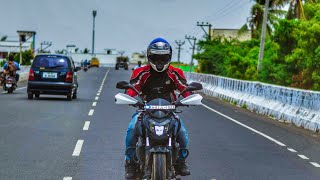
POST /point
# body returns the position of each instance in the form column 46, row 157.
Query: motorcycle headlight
column 159, row 129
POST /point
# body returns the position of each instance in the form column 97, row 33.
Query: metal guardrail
column 300, row 107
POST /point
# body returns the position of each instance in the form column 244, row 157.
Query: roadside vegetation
column 292, row 50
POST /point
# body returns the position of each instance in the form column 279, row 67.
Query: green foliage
column 86, row 51
column 292, row 54
column 27, row 56
column 2, row 63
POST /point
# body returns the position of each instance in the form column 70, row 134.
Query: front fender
column 159, row 149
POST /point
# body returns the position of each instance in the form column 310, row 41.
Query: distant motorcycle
column 10, row 83
column 158, row 125
column 85, row 68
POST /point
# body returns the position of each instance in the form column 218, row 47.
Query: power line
column 228, row 6
column 232, row 10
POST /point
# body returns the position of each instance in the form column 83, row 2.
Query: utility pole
column 263, row 35
column 24, row 36
column 45, row 43
column 202, row 24
column 94, row 14
column 193, row 44
column 179, row 43
column 121, row 52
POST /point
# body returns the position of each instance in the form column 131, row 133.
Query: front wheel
column 10, row 90
column 30, row 95
column 69, row 97
column 159, row 167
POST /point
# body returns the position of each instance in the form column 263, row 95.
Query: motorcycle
column 158, row 125
column 85, row 68
column 9, row 84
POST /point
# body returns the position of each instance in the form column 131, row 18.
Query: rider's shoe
column 182, row 168
column 131, row 170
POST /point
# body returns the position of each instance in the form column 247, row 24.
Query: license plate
column 49, row 75
column 8, row 85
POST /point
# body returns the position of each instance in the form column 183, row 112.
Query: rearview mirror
column 194, row 86
column 124, row 85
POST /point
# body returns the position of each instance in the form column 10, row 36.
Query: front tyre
column 159, row 166
column 69, row 97
column 30, row 95
column 10, row 90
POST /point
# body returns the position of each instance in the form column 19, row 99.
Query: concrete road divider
column 300, row 107
column 24, row 73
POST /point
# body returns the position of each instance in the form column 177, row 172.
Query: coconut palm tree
column 254, row 22
column 295, row 10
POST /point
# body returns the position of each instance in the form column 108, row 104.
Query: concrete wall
column 300, row 107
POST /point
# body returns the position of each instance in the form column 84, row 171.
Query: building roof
column 14, row 44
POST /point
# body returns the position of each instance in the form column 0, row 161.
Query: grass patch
column 244, row 106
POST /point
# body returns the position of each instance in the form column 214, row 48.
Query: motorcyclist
column 160, row 77
column 11, row 67
column 139, row 65
column 86, row 63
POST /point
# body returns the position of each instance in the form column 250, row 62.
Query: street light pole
column 94, row 13
column 263, row 35
column 20, row 53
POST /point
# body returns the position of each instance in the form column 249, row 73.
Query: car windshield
column 50, row 62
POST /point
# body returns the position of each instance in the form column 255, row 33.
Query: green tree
column 27, row 56
column 86, row 51
column 256, row 17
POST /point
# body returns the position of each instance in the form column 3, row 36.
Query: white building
column 7, row 47
column 137, row 57
column 231, row 33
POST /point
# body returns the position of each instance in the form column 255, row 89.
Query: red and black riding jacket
column 154, row 85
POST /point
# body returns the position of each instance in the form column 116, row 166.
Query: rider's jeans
column 132, row 138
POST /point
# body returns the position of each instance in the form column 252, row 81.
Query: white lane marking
column 99, row 91
column 302, row 156
column 16, row 90
column 243, row 125
column 67, row 178
column 77, row 149
column 91, row 112
column 94, row 104
column 86, row 126
column 96, row 98
column 98, row 94
column 292, row 150
column 315, row 164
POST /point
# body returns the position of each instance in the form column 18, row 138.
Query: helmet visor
column 157, row 59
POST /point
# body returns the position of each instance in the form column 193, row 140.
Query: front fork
column 148, row 162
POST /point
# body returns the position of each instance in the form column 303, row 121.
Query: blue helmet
column 159, row 54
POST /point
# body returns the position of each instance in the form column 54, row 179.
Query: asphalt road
column 52, row 138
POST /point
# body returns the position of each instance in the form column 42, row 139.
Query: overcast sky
column 120, row 24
